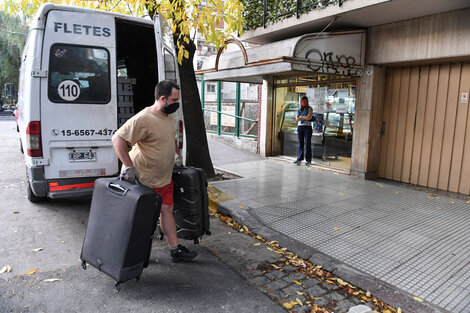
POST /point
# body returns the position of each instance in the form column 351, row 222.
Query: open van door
column 167, row 66
column 77, row 104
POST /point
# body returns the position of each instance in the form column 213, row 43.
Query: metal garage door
column 426, row 126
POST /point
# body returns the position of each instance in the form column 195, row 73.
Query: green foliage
column 278, row 10
column 12, row 40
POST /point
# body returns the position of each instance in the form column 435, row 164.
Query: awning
column 340, row 53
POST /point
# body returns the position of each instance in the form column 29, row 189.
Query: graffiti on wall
column 330, row 63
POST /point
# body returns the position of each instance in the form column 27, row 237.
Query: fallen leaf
column 15, row 212
column 241, row 207
column 418, row 299
column 399, row 310
column 270, row 249
column 368, row 294
column 438, row 208
column 300, row 293
column 341, row 282
column 297, row 282
column 32, row 271
column 287, row 305
column 468, row 201
column 299, row 301
column 257, row 244
column 315, row 298
column 14, row 230
column 5, row 269
column 341, row 194
column 336, row 228
column 246, row 229
column 52, row 279
column 229, row 233
column 37, row 250
column 396, row 192
column 452, row 202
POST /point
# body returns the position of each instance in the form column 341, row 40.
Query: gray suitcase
column 123, row 218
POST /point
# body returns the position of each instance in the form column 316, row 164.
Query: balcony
column 274, row 20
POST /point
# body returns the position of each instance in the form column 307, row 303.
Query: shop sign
column 340, row 54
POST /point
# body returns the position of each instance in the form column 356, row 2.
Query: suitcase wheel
column 208, row 233
column 84, row 265
column 138, row 278
column 196, row 241
column 117, row 287
column 160, row 236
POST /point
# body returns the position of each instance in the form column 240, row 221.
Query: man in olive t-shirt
column 151, row 133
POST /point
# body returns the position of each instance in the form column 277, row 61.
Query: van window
column 170, row 70
column 79, row 74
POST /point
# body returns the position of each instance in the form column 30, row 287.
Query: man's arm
column 120, row 146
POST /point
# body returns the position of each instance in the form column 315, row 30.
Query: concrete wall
column 431, row 38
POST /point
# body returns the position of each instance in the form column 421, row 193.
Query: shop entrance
column 332, row 99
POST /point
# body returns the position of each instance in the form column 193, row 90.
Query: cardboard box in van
column 83, row 74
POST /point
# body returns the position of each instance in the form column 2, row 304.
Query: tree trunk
column 197, row 148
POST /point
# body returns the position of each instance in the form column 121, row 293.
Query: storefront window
column 332, row 99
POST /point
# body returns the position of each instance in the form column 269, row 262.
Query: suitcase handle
column 117, row 189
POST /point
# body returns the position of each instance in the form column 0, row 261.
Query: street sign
column 9, row 90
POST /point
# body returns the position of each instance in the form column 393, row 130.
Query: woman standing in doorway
column 304, row 131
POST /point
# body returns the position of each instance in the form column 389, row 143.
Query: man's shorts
column 166, row 192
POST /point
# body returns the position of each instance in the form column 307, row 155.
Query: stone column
column 266, row 118
column 368, row 123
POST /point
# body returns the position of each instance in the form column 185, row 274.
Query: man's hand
column 130, row 174
column 179, row 160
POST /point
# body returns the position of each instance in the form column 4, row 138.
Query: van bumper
column 36, row 180
column 59, row 188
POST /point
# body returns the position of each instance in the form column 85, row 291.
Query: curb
column 384, row 291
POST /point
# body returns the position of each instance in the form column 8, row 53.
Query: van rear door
column 167, row 66
column 78, row 103
column 165, row 50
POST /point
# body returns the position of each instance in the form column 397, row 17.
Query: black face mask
column 171, row 107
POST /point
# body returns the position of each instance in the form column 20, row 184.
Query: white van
column 83, row 74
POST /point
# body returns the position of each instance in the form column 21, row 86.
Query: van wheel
column 31, row 196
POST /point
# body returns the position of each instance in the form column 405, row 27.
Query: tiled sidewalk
column 414, row 241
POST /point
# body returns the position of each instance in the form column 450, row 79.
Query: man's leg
column 178, row 252
column 168, row 226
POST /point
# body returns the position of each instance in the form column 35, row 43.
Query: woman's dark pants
column 305, row 143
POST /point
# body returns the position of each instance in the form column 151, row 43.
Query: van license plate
column 82, row 155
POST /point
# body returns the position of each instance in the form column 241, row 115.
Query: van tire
column 31, row 196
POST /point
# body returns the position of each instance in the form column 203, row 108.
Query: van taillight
column 180, row 134
column 33, row 139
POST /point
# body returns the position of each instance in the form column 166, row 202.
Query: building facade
column 389, row 82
